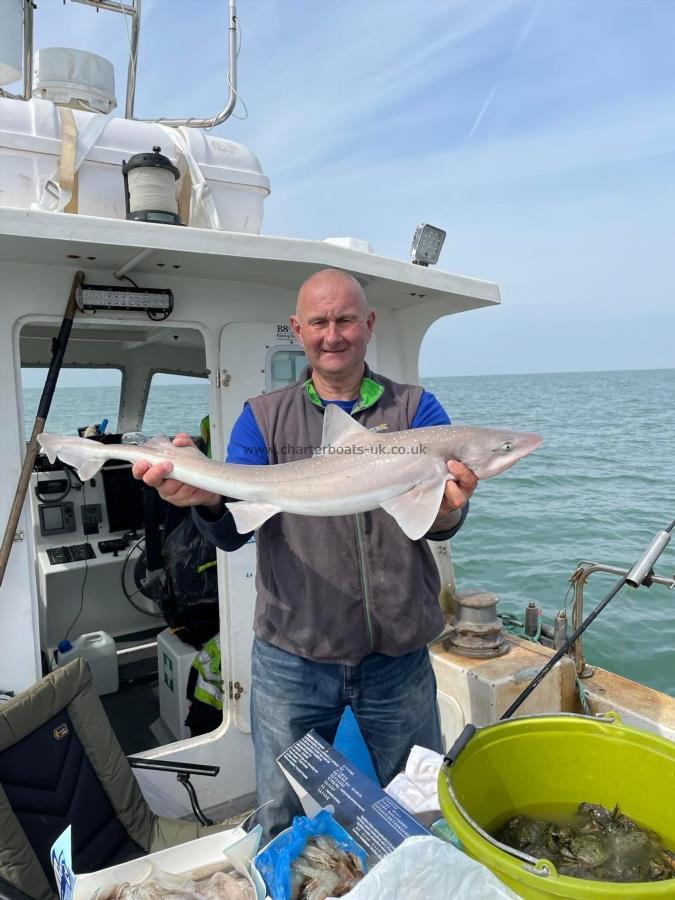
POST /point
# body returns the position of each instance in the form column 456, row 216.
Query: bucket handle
column 610, row 716
column 544, row 868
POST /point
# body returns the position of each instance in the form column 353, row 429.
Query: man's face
column 334, row 326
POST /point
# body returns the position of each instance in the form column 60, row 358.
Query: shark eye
column 507, row 446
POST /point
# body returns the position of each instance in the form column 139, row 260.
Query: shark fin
column 88, row 468
column 250, row 516
column 159, row 442
column 416, row 510
column 339, row 427
column 162, row 444
column 75, row 455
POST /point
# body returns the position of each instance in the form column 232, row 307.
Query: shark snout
column 530, row 442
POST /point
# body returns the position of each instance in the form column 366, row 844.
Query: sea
column 599, row 489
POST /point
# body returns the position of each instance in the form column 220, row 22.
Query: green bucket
column 559, row 761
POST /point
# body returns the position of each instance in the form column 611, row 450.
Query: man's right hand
column 170, row 489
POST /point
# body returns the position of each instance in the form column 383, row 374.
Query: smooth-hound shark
column 355, row 470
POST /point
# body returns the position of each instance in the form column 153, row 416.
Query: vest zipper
column 364, row 579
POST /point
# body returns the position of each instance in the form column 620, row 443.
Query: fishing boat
column 148, row 236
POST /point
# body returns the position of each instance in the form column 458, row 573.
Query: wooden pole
column 58, row 352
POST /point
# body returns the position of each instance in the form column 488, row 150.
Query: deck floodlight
column 426, row 245
column 150, row 188
column 156, row 302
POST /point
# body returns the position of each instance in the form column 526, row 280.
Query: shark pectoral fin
column 339, row 427
column 416, row 510
column 249, row 516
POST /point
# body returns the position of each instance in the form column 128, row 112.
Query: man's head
column 333, row 323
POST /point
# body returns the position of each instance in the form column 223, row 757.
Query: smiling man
column 345, row 605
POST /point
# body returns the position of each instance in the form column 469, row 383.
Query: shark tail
column 77, row 455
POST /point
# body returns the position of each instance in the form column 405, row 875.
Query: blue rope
column 583, row 697
column 515, row 626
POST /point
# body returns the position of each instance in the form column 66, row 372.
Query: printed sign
column 168, row 671
column 285, row 334
column 374, row 819
column 61, row 859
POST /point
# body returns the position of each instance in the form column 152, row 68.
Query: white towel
column 416, row 789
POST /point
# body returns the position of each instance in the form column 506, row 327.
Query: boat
column 198, row 291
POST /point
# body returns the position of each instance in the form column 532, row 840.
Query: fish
column 355, row 470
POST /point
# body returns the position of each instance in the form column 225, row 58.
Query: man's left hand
column 457, row 492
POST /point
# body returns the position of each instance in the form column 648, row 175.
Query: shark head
column 490, row 451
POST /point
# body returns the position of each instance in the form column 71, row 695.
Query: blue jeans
column 393, row 699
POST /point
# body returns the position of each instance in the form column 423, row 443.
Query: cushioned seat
column 60, row 765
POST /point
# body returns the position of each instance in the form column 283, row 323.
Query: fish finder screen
column 123, row 498
column 52, row 516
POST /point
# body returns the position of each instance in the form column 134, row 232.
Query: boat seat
column 60, row 765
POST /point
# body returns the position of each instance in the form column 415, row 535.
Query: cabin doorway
column 101, row 545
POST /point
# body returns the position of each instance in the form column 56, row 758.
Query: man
column 345, row 605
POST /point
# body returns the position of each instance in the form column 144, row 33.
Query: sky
column 540, row 135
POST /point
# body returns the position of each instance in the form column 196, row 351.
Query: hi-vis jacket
column 209, row 684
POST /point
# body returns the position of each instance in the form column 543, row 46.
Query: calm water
column 598, row 489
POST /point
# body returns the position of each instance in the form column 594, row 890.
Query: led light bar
column 130, row 299
column 426, row 245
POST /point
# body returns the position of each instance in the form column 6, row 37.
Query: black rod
column 58, row 352
column 584, row 625
column 563, row 650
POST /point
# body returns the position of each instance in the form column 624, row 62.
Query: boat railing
column 133, row 9
column 581, row 575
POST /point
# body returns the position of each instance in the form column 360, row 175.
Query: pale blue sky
column 540, row 135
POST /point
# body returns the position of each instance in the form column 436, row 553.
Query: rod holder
column 642, row 568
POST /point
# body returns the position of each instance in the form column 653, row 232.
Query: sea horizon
column 188, row 380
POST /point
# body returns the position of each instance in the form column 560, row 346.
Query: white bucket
column 99, row 649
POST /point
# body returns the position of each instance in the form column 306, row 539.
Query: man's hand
column 456, row 494
column 176, row 492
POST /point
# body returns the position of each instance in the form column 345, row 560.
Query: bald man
column 345, row 605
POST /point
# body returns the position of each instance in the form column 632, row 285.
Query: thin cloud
column 513, row 53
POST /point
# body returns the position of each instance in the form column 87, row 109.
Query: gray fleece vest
column 335, row 589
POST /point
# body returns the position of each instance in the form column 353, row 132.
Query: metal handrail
column 27, row 48
column 231, row 78
column 579, row 578
column 133, row 9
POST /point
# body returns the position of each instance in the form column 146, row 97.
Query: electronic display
column 56, row 518
column 123, row 498
column 53, row 518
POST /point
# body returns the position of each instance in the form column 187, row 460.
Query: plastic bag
column 274, row 862
column 192, row 604
column 222, row 879
column 423, row 867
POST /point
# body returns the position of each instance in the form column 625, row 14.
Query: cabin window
column 175, row 403
column 283, row 366
column 82, row 397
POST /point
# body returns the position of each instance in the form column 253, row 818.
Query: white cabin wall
column 19, row 620
column 394, row 359
column 409, row 326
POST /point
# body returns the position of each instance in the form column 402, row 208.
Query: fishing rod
column 59, row 345
column 641, row 573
